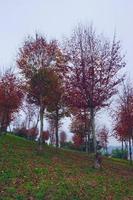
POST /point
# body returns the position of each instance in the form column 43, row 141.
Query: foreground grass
column 54, row 174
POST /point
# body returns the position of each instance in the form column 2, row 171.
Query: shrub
column 118, row 153
column 22, row 132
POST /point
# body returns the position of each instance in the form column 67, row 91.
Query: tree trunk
column 130, row 151
column 92, row 115
column 106, row 149
column 56, row 129
column 86, row 134
column 36, row 125
column 86, row 144
column 4, row 128
column 41, row 127
column 122, row 146
column 28, row 124
column 126, row 150
column 89, row 140
column 4, row 123
column 122, row 149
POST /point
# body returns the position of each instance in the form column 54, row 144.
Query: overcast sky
column 56, row 18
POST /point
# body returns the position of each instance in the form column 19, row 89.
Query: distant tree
column 21, row 131
column 45, row 136
column 95, row 64
column 58, row 109
column 103, row 137
column 118, row 153
column 77, row 140
column 11, row 97
column 32, row 133
column 30, row 112
column 80, row 125
column 63, row 138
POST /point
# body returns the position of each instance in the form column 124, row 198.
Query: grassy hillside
column 54, row 174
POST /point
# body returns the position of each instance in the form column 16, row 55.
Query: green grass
column 26, row 174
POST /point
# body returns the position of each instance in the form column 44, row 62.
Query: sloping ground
column 26, row 174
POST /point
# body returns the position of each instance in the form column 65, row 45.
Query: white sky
column 56, row 18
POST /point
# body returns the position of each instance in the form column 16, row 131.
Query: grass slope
column 54, row 174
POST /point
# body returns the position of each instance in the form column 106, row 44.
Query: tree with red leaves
column 77, row 140
column 45, row 136
column 32, row 133
column 123, row 128
column 41, row 91
column 95, row 65
column 38, row 53
column 63, row 138
column 11, row 96
column 42, row 64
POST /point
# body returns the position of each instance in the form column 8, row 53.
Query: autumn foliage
column 43, row 66
column 95, row 64
column 45, row 135
column 74, row 80
column 123, row 115
column 77, row 140
column 10, row 99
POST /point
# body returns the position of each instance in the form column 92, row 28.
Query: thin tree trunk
column 56, row 131
column 4, row 123
column 130, row 151
column 93, row 129
column 89, row 139
column 106, row 149
column 41, row 127
column 126, row 150
column 57, row 137
column 122, row 149
column 122, row 145
column 37, row 121
column 86, row 133
column 86, row 144
column 28, row 123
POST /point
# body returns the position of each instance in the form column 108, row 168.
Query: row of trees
column 75, row 80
